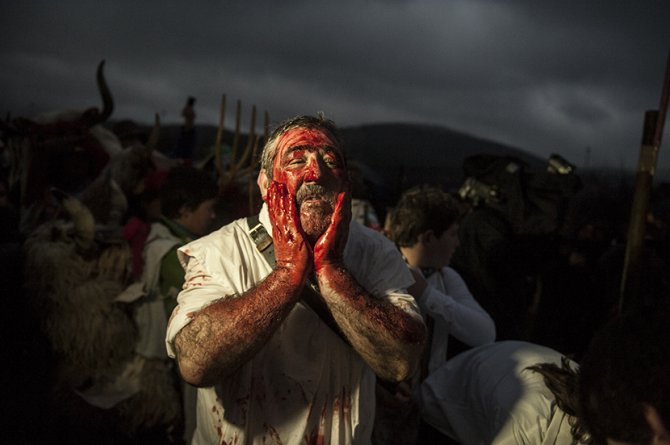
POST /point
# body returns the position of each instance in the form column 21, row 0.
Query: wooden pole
column 236, row 136
column 253, row 196
column 218, row 164
column 632, row 270
column 631, row 278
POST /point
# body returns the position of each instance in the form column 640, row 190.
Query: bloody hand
column 329, row 249
column 292, row 251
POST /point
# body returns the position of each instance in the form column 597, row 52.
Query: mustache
column 313, row 191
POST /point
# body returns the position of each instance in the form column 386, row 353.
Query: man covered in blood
column 268, row 362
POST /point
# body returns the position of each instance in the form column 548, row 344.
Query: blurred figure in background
column 186, row 142
column 424, row 226
column 508, row 235
column 508, row 392
column 187, row 199
column 362, row 209
column 625, row 379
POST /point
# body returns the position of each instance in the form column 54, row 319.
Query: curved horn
column 107, row 100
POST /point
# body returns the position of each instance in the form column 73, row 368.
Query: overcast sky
column 543, row 76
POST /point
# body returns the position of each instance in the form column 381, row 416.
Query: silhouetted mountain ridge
column 411, row 154
column 395, row 155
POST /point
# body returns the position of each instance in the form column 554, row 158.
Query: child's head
column 424, row 225
column 188, row 196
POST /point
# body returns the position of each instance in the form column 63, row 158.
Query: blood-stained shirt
column 306, row 385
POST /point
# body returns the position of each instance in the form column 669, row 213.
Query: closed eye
column 294, row 156
column 296, row 161
column 332, row 160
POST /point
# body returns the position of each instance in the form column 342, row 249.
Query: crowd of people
column 463, row 319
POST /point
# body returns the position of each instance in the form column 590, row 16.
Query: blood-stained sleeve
column 223, row 264
column 201, row 288
column 377, row 265
column 393, row 280
column 195, row 277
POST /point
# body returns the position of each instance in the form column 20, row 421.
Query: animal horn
column 107, row 100
column 92, row 116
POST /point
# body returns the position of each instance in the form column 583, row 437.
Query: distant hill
column 404, row 155
column 396, row 155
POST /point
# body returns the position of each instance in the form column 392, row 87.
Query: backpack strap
column 311, row 294
column 262, row 239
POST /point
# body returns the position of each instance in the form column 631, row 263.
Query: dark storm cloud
column 547, row 77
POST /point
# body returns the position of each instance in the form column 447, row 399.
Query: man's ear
column 427, row 236
column 660, row 433
column 263, row 183
column 184, row 211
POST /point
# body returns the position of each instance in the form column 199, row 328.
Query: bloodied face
column 311, row 165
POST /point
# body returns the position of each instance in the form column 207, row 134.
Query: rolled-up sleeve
column 199, row 290
column 378, row 266
column 221, row 265
column 457, row 308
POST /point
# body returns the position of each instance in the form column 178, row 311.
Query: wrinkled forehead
column 306, row 138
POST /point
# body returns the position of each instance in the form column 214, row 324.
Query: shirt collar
column 178, row 229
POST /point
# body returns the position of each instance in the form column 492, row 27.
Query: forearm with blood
column 386, row 337
column 225, row 335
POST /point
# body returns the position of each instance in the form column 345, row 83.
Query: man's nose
column 315, row 169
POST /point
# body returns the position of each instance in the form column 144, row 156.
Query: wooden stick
column 236, row 137
column 250, row 140
column 663, row 107
column 631, row 278
column 154, row 136
column 252, row 166
column 218, row 163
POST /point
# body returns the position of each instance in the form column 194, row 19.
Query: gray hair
column 311, row 122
